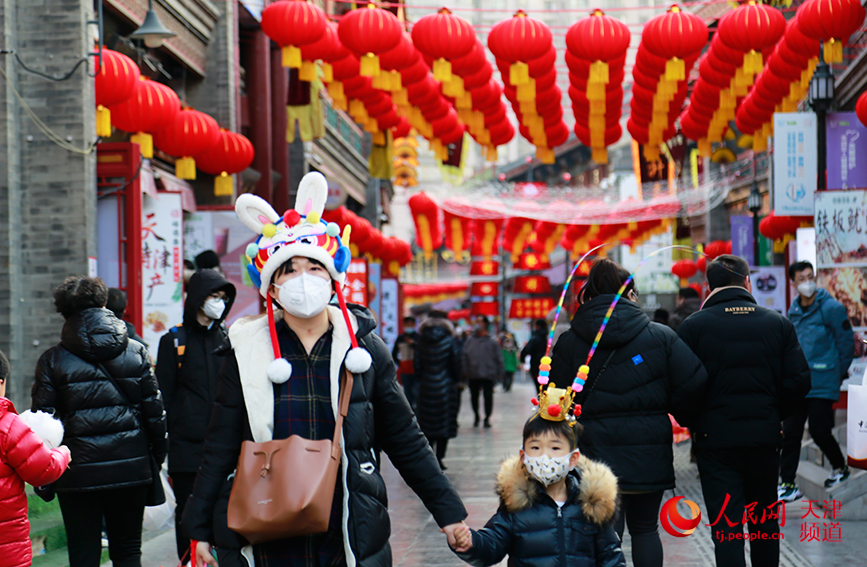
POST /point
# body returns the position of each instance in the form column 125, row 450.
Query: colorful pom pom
column 534, row 401
column 545, row 367
column 553, row 410
column 332, row 230
column 584, row 369
column 577, row 387
column 252, row 251
column 269, row 230
column 313, row 218
column 581, row 376
column 291, row 217
column 546, row 360
column 543, row 380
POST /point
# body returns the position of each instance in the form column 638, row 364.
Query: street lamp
column 821, row 97
column 152, row 30
column 529, row 160
column 754, row 202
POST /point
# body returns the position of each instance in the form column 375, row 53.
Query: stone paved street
column 473, row 459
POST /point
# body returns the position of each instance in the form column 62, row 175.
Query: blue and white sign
column 794, row 163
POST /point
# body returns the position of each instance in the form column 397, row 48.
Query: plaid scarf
column 302, row 406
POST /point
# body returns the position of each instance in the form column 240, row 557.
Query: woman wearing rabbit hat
column 282, row 378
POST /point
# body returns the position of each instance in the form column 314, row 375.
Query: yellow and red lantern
column 233, row 153
column 293, row 24
column 369, row 32
column 458, row 235
column 443, row 37
column 190, row 133
column 486, row 237
column 151, row 107
column 426, row 215
column 832, row 22
column 532, row 284
column 115, row 83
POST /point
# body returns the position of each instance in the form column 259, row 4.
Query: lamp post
column 754, row 202
column 152, row 30
column 821, row 97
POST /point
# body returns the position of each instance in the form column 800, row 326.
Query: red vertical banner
column 355, row 290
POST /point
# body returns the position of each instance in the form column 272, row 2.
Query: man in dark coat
column 110, row 441
column 438, row 370
column 187, row 370
column 536, row 346
column 757, row 376
column 688, row 302
column 117, row 305
column 403, row 354
column 482, row 364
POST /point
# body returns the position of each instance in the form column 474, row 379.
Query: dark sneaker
column 837, row 476
column 788, row 492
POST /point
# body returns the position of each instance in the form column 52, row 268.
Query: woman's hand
column 203, row 554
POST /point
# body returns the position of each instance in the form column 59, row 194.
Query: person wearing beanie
column 282, row 376
column 187, row 368
column 27, row 454
column 208, row 260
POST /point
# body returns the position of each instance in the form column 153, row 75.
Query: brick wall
column 47, row 194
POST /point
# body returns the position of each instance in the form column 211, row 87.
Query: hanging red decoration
column 233, row 153
column 861, row 108
column 292, row 24
column 598, row 39
column 458, row 235
column 752, row 28
column 675, row 36
column 114, row 84
column 684, row 269
column 486, row 237
column 832, row 22
column 716, row 248
column 151, row 107
column 191, row 133
column 443, row 37
column 519, row 40
column 368, row 32
column 426, row 215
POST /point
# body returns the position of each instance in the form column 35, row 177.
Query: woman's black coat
column 108, row 445
column 437, row 371
column 625, row 417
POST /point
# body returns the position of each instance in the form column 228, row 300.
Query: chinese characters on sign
column 829, row 530
column 355, row 290
column 390, row 308
column 531, row 308
column 794, row 163
column 847, row 140
column 162, row 265
column 841, row 259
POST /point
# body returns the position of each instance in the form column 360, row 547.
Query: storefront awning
column 168, row 182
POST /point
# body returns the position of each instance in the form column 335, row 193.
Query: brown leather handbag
column 285, row 488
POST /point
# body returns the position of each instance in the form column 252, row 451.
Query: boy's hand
column 452, row 532
column 463, row 539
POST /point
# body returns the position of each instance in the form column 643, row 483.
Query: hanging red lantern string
column 151, row 107
column 519, row 40
column 675, row 36
column 233, row 153
column 368, row 32
column 684, row 269
column 326, row 48
column 114, row 83
column 458, row 235
column 832, row 22
column 191, row 133
column 443, row 37
column 752, row 28
column 292, row 24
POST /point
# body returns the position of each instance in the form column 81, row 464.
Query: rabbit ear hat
column 299, row 232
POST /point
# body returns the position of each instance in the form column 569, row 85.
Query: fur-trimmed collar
column 597, row 488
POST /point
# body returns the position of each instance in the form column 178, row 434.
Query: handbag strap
column 590, row 385
column 342, row 410
column 126, row 399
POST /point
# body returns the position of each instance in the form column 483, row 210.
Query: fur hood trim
column 597, row 488
column 437, row 322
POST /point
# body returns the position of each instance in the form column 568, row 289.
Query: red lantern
column 598, row 39
column 701, row 264
column 832, row 22
column 368, row 32
column 516, row 234
column 675, row 36
column 292, row 24
column 191, row 133
column 327, row 48
column 799, row 43
column 443, row 37
column 861, row 108
column 486, row 237
column 151, row 107
column 518, row 40
column 426, row 215
column 458, row 235
column 684, row 269
column 751, row 29
column 114, row 84
column 233, row 153
column 715, row 249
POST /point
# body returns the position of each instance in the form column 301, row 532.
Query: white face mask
column 214, row 307
column 304, row 296
column 548, row 470
column 807, row 289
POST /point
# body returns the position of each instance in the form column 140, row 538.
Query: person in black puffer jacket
column 110, row 442
column 758, row 376
column 438, row 370
column 188, row 382
column 650, row 373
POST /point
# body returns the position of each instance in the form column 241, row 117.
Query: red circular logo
column 669, row 515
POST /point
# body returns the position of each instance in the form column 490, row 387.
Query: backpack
column 179, row 337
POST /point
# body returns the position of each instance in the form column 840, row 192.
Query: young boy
column 550, row 511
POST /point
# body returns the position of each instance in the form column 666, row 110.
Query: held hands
column 459, row 536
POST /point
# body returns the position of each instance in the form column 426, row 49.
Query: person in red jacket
column 24, row 457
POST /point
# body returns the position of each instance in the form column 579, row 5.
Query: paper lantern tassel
column 308, row 71
column 291, row 56
column 519, row 73
column 145, row 142
column 369, row 65
column 833, row 51
column 185, row 168
column 600, row 155
column 599, row 72
column 103, row 122
column 675, row 70
column 223, row 185
column 442, row 70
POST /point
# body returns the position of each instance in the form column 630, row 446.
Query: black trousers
column 508, row 378
column 439, row 446
column 83, row 514
column 182, row 486
column 477, row 385
column 821, row 417
column 748, row 477
column 640, row 513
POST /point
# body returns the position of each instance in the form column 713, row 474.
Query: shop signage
column 794, row 163
column 162, row 266
column 355, row 290
column 742, row 239
column 531, row 308
column 390, row 309
column 841, row 259
column 769, row 287
column 374, row 288
column 846, row 151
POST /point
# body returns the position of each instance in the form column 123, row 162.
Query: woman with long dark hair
column 640, row 372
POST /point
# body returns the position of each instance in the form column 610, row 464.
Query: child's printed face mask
column 548, row 470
